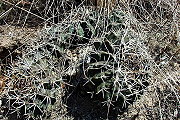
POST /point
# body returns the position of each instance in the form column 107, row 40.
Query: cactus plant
column 112, row 66
column 34, row 82
column 115, row 69
column 118, row 77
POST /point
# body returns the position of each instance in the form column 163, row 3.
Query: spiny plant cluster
column 34, row 84
column 115, row 69
column 110, row 61
column 115, row 75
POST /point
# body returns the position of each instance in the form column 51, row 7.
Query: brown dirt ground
column 11, row 36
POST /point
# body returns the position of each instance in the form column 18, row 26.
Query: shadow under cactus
column 82, row 107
